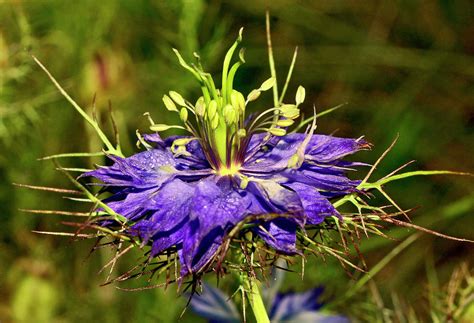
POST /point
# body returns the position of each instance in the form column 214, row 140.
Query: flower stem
column 255, row 299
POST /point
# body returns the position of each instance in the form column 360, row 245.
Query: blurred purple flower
column 304, row 307
column 180, row 201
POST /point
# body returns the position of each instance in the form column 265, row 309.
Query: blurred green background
column 404, row 67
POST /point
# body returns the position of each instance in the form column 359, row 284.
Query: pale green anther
column 215, row 122
column 238, row 101
column 293, row 161
column 200, row 107
column 183, row 114
column 177, row 98
column 253, row 95
column 142, row 141
column 212, row 110
column 300, row 95
column 297, row 159
column 162, row 127
column 244, row 182
column 277, row 131
column 285, row 107
column 230, row 114
column 289, row 111
column 169, row 104
column 268, row 84
column 182, row 141
column 147, row 114
column 241, row 133
column 179, row 146
column 284, row 122
column 180, row 150
column 292, row 114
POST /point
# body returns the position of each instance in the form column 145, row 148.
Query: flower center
column 232, row 170
column 218, row 118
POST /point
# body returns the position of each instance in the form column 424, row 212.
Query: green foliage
column 35, row 299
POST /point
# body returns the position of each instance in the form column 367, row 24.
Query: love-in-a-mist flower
column 184, row 194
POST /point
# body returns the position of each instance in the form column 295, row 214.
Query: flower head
column 186, row 193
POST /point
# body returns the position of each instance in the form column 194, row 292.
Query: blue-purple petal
column 316, row 207
column 166, row 215
column 146, row 169
column 280, row 234
column 217, row 206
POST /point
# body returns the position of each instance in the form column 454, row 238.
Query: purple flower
column 186, row 193
column 182, row 202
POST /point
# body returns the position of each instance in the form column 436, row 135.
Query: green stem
column 255, row 299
